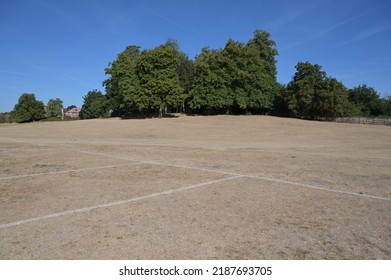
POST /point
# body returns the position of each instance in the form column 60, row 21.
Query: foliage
column 185, row 69
column 7, row 117
column 71, row 107
column 210, row 92
column 28, row 109
column 122, row 88
column 366, row 100
column 385, row 104
column 280, row 105
column 148, row 81
column 240, row 78
column 160, row 86
column 55, row 107
column 312, row 94
column 95, row 105
column 237, row 79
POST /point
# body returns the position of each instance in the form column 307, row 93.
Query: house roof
column 74, row 110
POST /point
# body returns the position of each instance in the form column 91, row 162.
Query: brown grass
column 305, row 190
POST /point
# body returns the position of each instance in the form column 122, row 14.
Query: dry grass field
column 220, row 187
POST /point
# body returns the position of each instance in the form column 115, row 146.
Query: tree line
column 240, row 78
column 29, row 109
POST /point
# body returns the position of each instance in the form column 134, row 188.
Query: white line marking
column 115, row 203
column 65, row 171
column 155, row 162
column 96, row 154
column 242, row 175
column 13, row 150
column 315, row 187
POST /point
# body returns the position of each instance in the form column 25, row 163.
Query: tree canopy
column 55, row 107
column 147, row 81
column 122, row 88
column 366, row 100
column 29, row 109
column 160, row 86
column 237, row 79
column 240, row 78
column 312, row 94
column 95, row 105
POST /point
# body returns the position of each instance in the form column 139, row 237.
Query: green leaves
column 312, row 94
column 123, row 86
column 366, row 100
column 146, row 81
column 95, row 105
column 159, row 82
column 55, row 108
column 240, row 78
column 237, row 79
column 28, row 109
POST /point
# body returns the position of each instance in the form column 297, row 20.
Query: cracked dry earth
column 218, row 187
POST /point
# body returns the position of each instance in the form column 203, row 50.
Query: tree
column 366, row 100
column 386, row 106
column 71, row 107
column 7, row 117
column 280, row 105
column 210, row 91
column 332, row 102
column 312, row 94
column 239, row 78
column 123, row 87
column 160, row 86
column 55, row 107
column 95, row 105
column 185, row 69
column 266, row 51
column 28, row 109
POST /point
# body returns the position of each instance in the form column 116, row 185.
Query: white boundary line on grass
column 65, row 171
column 115, row 203
column 316, row 188
column 239, row 174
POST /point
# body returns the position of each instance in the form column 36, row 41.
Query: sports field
column 219, row 187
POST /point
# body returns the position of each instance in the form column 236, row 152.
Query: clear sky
column 60, row 48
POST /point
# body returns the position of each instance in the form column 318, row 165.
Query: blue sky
column 60, row 48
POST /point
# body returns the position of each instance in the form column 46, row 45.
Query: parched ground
column 221, row 187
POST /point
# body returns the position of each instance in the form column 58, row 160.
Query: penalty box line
column 284, row 182
column 115, row 203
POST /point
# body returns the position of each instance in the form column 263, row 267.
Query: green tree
column 210, row 91
column 71, row 107
column 185, row 69
column 239, row 78
column 7, row 117
column 123, row 87
column 55, row 107
column 266, row 51
column 366, row 100
column 28, row 109
column 386, row 106
column 160, row 86
column 312, row 94
column 280, row 105
column 95, row 105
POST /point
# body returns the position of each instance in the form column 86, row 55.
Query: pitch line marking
column 315, row 187
column 242, row 175
column 65, row 171
column 115, row 203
